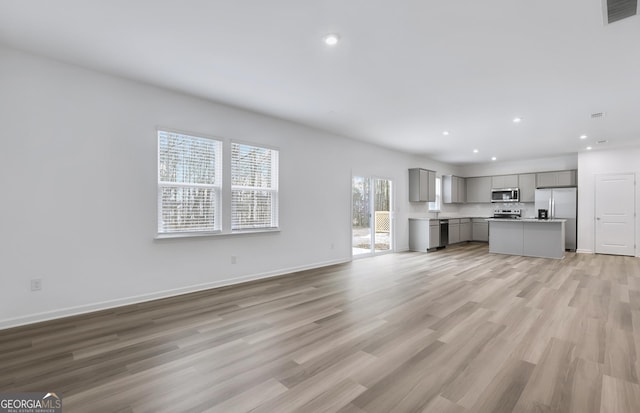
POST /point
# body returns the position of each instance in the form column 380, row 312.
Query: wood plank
column 457, row 330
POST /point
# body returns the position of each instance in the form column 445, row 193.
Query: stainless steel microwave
column 505, row 195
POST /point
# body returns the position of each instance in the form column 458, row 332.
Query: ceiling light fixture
column 589, row 148
column 331, row 39
column 517, row 120
column 445, row 133
column 475, row 151
column 494, row 158
column 583, row 136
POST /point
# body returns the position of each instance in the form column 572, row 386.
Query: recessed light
column 589, row 148
column 583, row 136
column 475, row 151
column 331, row 39
column 517, row 120
column 494, row 158
column 445, row 133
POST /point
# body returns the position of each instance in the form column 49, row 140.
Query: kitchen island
column 543, row 238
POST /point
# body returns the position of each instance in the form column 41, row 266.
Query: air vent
column 598, row 115
column 615, row 10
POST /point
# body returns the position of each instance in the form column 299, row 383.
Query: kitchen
column 529, row 214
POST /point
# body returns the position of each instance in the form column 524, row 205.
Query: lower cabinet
column 424, row 234
column 479, row 230
column 434, row 233
column 454, row 231
column 465, row 229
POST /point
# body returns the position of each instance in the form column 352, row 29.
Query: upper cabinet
column 478, row 189
column 527, row 185
column 462, row 189
column 556, row 179
column 504, row 181
column 453, row 189
column 422, row 185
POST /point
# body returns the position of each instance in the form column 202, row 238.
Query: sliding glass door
column 371, row 219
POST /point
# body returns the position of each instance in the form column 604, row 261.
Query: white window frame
column 223, row 189
column 215, row 186
column 272, row 189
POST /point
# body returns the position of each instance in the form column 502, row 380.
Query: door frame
column 392, row 216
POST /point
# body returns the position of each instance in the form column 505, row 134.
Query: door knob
column 598, row 218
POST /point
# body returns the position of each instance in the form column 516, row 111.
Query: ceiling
column 403, row 72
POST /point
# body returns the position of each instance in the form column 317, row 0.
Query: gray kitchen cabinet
column 434, row 233
column 478, row 189
column 421, row 236
column 462, row 189
column 567, row 178
column 422, row 185
column 504, row 181
column 424, row 234
column 479, row 230
column 556, row 179
column 454, row 231
column 453, row 189
column 465, row 229
column 527, row 185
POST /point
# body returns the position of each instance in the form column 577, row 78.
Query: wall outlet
column 332, row 246
column 36, row 284
column 234, row 259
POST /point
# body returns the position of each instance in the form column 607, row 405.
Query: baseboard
column 584, row 251
column 105, row 305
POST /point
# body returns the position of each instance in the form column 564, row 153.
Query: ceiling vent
column 598, row 115
column 615, row 10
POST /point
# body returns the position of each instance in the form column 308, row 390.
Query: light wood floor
column 458, row 330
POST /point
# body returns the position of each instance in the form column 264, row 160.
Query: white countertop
column 439, row 218
column 538, row 221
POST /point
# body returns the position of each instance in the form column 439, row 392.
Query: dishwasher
column 444, row 233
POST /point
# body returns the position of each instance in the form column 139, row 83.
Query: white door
column 615, row 214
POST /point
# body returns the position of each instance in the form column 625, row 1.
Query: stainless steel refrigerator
column 562, row 203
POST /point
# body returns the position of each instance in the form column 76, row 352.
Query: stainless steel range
column 508, row 213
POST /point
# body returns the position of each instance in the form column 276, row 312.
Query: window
column 254, row 187
column 189, row 183
column 435, row 206
column 195, row 199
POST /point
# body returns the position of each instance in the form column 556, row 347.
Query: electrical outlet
column 36, row 284
column 333, row 246
column 234, row 259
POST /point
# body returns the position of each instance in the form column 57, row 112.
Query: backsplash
column 486, row 210
column 421, row 210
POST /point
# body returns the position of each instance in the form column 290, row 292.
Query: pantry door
column 615, row 214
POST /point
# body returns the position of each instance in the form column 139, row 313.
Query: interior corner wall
column 590, row 164
column 78, row 173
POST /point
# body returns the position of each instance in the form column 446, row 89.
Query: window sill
column 214, row 234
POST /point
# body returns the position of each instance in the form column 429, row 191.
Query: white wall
column 557, row 163
column 78, row 173
column 591, row 164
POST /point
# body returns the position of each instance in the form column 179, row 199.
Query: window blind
column 254, row 187
column 189, row 183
